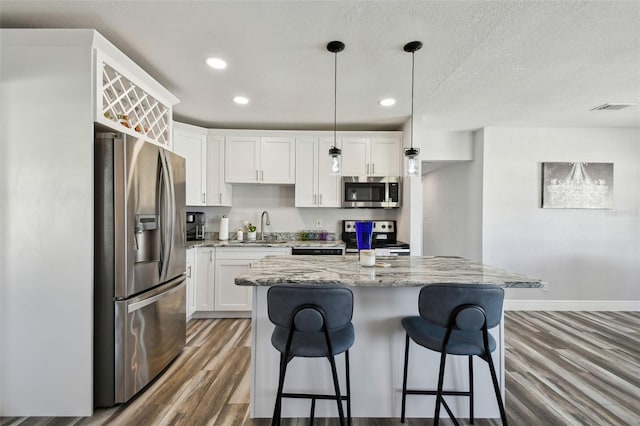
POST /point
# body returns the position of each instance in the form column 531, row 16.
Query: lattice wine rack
column 129, row 106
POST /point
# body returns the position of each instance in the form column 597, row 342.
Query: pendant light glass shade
column 411, row 159
column 335, row 161
column 335, row 153
column 412, row 155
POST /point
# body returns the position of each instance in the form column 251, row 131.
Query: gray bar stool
column 454, row 319
column 311, row 322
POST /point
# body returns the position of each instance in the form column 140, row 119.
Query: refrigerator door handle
column 146, row 302
column 165, row 196
column 172, row 210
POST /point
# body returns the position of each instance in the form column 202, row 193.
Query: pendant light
column 411, row 154
column 335, row 153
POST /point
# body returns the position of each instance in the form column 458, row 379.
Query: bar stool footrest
column 313, row 396
column 433, row 392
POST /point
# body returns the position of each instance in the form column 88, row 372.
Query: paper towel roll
column 223, row 234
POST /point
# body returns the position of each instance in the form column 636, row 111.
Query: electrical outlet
column 318, row 223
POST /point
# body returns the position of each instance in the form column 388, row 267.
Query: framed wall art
column 577, row 185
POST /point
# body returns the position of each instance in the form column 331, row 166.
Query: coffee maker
column 195, row 226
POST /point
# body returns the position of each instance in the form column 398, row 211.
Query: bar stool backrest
column 303, row 301
column 437, row 302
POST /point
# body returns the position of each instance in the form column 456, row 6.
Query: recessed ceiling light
column 387, row 102
column 241, row 100
column 216, row 63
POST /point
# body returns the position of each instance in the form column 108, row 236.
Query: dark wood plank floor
column 563, row 368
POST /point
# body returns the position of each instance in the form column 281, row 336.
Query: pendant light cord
column 335, row 96
column 413, row 66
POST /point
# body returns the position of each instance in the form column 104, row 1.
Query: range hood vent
column 610, row 107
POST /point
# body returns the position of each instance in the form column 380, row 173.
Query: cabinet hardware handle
column 204, row 198
column 211, row 256
column 256, row 175
column 367, row 168
column 373, row 168
column 320, row 199
column 314, row 199
column 220, row 197
column 262, row 175
column 188, row 271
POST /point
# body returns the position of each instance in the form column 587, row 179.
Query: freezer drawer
column 151, row 334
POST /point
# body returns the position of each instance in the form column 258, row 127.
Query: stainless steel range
column 384, row 238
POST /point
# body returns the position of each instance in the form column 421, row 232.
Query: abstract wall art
column 577, row 185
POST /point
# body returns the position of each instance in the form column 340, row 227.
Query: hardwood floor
column 563, row 368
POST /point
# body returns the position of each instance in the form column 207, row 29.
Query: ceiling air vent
column 610, row 107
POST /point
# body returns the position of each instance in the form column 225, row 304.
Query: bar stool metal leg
column 278, row 406
column 404, row 379
column 346, row 360
column 496, row 389
column 439, row 399
column 336, row 386
column 471, row 389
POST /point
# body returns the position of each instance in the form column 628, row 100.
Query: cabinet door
column 191, row 280
column 218, row 192
column 328, row 186
column 385, row 157
column 229, row 296
column 204, row 279
column 277, row 160
column 192, row 147
column 242, row 159
column 306, row 172
column 355, row 156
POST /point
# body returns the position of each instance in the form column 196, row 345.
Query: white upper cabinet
column 242, row 159
column 278, row 162
column 314, row 186
column 218, row 192
column 385, row 157
column 204, row 155
column 371, row 156
column 190, row 143
column 355, row 156
column 256, row 159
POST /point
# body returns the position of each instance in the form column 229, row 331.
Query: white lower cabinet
column 213, row 279
column 191, row 290
column 204, row 278
column 234, row 261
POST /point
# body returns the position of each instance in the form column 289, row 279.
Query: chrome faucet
column 262, row 223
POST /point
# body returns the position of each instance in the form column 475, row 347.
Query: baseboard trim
column 220, row 314
column 572, row 305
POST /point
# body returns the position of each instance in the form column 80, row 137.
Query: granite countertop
column 403, row 271
column 268, row 243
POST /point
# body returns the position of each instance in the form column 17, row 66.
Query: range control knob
column 384, row 226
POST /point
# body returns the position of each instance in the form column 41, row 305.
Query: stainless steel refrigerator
column 140, row 262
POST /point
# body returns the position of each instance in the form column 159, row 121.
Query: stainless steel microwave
column 371, row 192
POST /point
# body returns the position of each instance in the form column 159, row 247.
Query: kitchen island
column 382, row 296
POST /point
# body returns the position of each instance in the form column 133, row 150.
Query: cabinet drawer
column 250, row 253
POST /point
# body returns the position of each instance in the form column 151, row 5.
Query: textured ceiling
column 483, row 63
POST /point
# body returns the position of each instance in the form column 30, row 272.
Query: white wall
column 583, row 254
column 249, row 200
column 452, row 210
column 46, row 229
